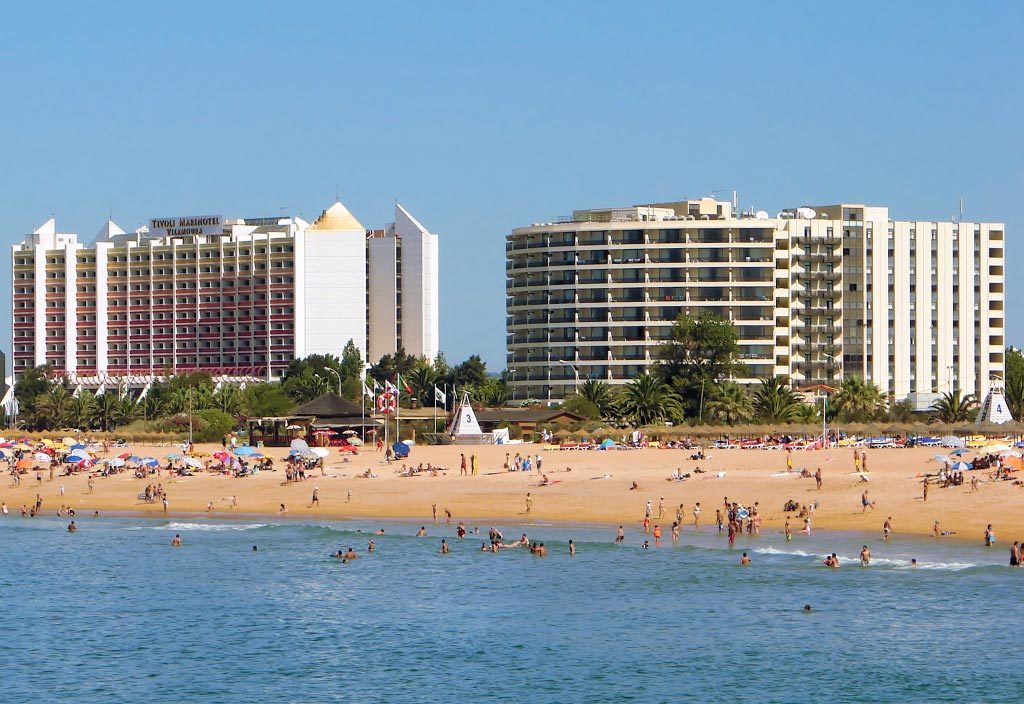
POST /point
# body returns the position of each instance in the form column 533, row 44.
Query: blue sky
column 480, row 117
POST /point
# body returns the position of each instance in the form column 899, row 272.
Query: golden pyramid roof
column 335, row 218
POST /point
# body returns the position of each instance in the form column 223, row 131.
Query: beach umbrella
column 320, row 451
column 401, row 449
column 42, row 457
column 151, row 462
column 959, row 452
column 607, row 444
column 24, row 464
column 245, row 451
column 78, row 456
column 299, row 445
column 116, row 462
column 355, row 441
column 996, row 447
column 192, row 462
column 173, row 456
column 961, row 466
column 69, row 441
column 77, row 446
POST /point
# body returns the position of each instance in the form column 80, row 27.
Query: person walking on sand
column 887, row 528
column 696, row 514
column 462, row 465
column 661, row 508
column 817, row 479
column 433, row 511
column 924, row 496
column 529, row 502
column 936, row 529
column 92, row 485
column 165, row 502
column 866, row 503
column 315, row 501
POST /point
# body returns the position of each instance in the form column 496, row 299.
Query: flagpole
column 434, row 427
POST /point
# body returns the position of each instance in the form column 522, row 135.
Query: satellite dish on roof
column 806, row 213
column 761, row 215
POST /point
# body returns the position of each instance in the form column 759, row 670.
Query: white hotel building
column 239, row 298
column 816, row 293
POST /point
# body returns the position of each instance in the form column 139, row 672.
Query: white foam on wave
column 895, row 563
column 210, row 526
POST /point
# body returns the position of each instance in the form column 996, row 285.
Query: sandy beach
column 597, row 489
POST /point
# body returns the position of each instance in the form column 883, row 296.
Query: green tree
column 81, row 410
column 228, row 398
column 51, row 408
column 600, row 395
column 421, row 380
column 901, row 412
column 351, row 366
column 107, row 411
column 699, row 353
column 32, row 382
column 265, row 400
column 580, row 405
column 775, row 402
column 729, row 403
column 128, row 409
column 1014, row 388
column 389, row 366
column 951, row 407
column 471, row 373
column 307, row 378
column 492, row 393
column 858, row 400
column 647, row 399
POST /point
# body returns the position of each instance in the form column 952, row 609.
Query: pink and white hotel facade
column 238, row 298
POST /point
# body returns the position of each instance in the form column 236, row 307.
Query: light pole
column 950, row 369
column 337, row 375
column 575, row 373
column 512, row 383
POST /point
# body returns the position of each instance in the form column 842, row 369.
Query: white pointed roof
column 336, row 218
column 109, row 230
column 404, row 221
column 47, row 228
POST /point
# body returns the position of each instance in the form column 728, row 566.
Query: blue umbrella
column 245, row 450
column 151, row 462
column 607, row 443
column 961, row 466
column 78, row 446
column 961, row 451
column 401, row 449
column 78, row 455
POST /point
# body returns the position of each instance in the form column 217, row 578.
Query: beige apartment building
column 817, row 293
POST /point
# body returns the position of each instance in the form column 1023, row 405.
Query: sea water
column 114, row 614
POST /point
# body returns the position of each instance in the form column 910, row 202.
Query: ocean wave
column 209, row 526
column 892, row 562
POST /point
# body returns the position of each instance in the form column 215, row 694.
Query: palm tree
column 858, row 400
column 152, row 406
column 600, row 394
column 422, row 380
column 107, row 407
column 729, row 403
column 952, row 408
column 807, row 413
column 310, row 387
column 228, row 398
column 648, row 399
column 81, row 410
column 775, row 402
column 128, row 409
column 494, row 394
column 51, row 407
column 1014, row 394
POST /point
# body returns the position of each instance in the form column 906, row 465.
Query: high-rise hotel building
column 816, row 293
column 235, row 297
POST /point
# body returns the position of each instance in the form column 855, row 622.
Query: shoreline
column 585, row 488
column 707, row 530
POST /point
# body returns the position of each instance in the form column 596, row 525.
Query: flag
column 440, row 396
column 377, row 386
column 390, row 388
column 408, row 389
column 367, row 390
